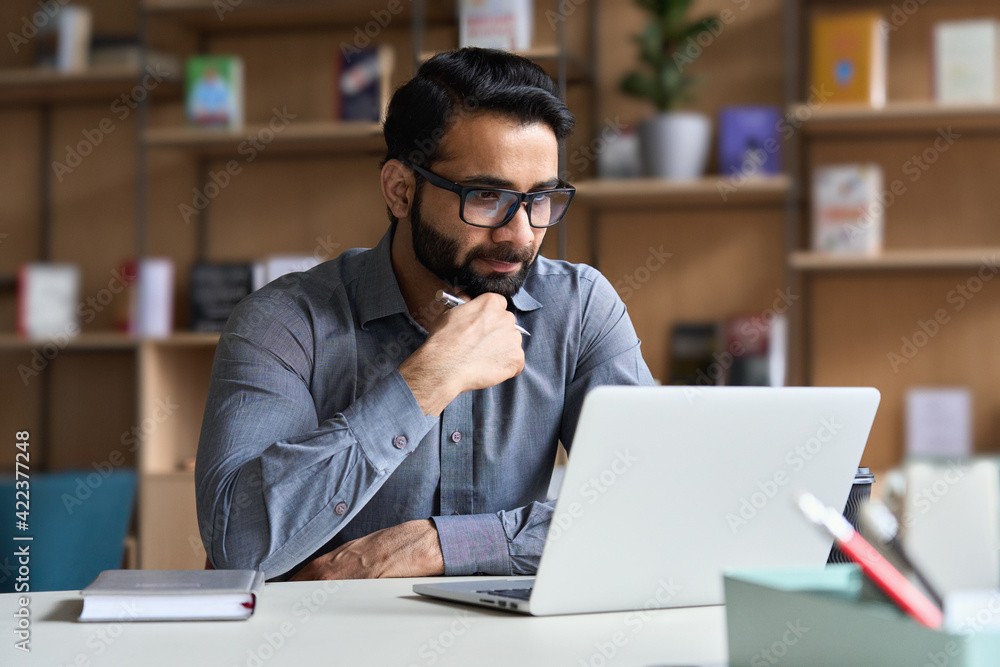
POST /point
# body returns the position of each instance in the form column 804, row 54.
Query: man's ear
column 398, row 187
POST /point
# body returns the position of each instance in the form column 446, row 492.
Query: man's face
column 493, row 151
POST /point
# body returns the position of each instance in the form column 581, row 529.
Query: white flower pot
column 675, row 145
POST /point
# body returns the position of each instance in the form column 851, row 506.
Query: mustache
column 502, row 254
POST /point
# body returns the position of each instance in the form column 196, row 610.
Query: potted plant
column 674, row 144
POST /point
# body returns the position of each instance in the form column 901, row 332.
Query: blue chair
column 77, row 520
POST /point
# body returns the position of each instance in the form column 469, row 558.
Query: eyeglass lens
column 489, row 208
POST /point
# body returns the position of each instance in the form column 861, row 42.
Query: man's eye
column 487, row 195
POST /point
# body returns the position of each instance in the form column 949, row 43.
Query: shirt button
column 399, row 441
column 456, row 436
column 340, row 508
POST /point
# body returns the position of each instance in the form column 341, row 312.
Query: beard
column 440, row 255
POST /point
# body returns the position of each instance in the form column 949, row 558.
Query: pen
column 451, row 301
column 883, row 527
column 899, row 589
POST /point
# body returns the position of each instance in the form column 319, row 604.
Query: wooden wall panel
column 723, row 264
column 94, row 202
column 93, row 406
column 19, row 190
column 168, row 524
column 873, row 329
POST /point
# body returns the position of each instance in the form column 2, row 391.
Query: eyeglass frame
column 462, row 190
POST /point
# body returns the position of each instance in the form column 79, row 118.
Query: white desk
column 366, row 622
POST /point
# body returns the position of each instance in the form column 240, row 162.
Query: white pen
column 451, row 301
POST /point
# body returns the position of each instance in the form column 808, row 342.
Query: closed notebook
column 171, row 595
column 849, row 57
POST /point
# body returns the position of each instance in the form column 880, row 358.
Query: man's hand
column 473, row 346
column 411, row 549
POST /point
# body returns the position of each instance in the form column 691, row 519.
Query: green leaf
column 651, row 45
column 666, row 35
column 640, row 85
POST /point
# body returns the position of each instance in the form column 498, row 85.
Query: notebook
column 171, row 595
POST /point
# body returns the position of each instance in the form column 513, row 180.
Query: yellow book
column 849, row 57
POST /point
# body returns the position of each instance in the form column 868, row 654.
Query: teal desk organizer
column 834, row 616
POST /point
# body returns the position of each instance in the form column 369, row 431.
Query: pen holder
column 833, row 617
column 860, row 493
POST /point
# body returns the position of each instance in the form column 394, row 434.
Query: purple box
column 749, row 141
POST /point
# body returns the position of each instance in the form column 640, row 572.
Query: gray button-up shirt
column 312, row 438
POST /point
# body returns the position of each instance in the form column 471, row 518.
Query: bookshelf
column 319, row 184
column 859, row 314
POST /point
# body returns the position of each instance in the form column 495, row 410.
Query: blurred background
column 828, row 221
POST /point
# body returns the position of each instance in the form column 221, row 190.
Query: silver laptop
column 667, row 487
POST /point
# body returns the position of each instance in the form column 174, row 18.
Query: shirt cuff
column 473, row 544
column 388, row 422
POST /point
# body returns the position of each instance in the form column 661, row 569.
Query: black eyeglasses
column 495, row 207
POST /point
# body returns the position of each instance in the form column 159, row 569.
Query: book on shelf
column 693, row 350
column 364, row 82
column 151, row 297
column 847, row 212
column 496, row 24
column 966, row 55
column 63, row 43
column 742, row 350
column 756, row 351
column 849, row 56
column 216, row 288
column 48, row 300
column 749, row 141
column 214, row 91
column 171, row 595
column 275, row 266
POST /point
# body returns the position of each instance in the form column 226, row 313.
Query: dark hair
column 467, row 81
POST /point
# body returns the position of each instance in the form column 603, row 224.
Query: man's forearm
column 264, row 511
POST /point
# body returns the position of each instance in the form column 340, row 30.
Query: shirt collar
column 378, row 283
column 524, row 301
column 383, row 296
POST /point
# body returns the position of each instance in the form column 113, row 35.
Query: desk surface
column 367, row 622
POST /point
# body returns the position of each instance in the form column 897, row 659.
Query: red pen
column 891, row 581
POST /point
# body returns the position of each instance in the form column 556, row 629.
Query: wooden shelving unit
column 83, row 342
column 943, row 259
column 296, row 137
column 942, row 244
column 34, row 85
column 247, row 16
column 895, row 118
column 707, row 192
